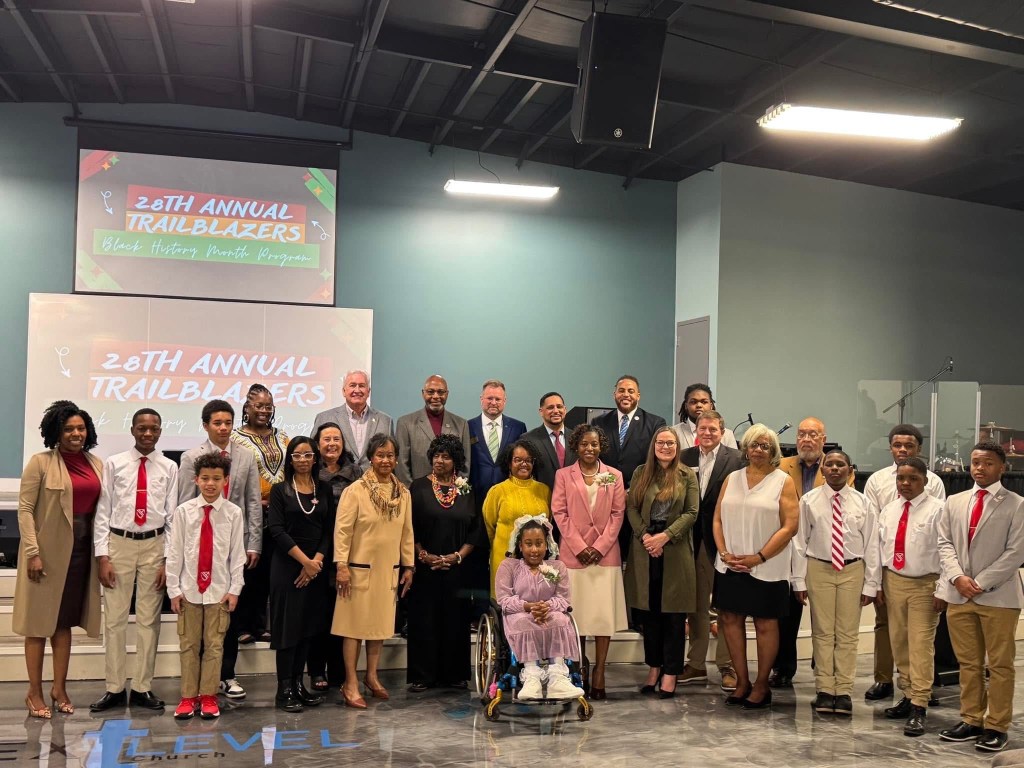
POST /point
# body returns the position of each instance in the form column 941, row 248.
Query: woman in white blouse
column 756, row 517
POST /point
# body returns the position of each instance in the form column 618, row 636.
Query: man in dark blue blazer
column 627, row 449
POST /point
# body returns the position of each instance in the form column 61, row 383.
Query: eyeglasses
column 262, row 408
column 809, row 434
column 306, row 456
column 665, row 443
column 521, row 460
column 432, row 392
column 766, row 447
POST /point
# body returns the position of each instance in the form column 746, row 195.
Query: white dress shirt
column 687, row 432
column 992, row 490
column 705, row 466
column 881, row 487
column 228, row 551
column 358, row 423
column 921, row 546
column 814, row 537
column 116, row 506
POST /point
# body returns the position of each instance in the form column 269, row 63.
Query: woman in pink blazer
column 589, row 504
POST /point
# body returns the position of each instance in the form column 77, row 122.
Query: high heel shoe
column 652, row 687
column 357, row 702
column 376, row 693
column 764, row 703
column 738, row 697
column 65, row 707
column 43, row 713
column 662, row 693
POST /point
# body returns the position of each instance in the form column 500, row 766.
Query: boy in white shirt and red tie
column 205, row 562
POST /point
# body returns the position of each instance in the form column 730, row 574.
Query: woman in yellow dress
column 509, row 500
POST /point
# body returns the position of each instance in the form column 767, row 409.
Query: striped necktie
column 838, row 549
column 623, row 427
column 493, row 441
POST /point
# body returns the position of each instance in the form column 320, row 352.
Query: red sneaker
column 208, row 708
column 187, row 708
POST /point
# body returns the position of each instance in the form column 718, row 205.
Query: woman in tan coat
column 57, row 585
column 373, row 543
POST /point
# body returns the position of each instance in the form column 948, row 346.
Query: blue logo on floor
column 116, row 744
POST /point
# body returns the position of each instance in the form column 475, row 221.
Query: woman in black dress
column 339, row 470
column 301, row 525
column 447, row 527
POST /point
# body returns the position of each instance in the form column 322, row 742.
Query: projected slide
column 195, row 228
column 115, row 354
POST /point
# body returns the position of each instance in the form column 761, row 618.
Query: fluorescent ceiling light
column 492, row 189
column 845, row 122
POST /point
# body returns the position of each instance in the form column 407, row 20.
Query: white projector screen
column 155, row 225
column 115, row 354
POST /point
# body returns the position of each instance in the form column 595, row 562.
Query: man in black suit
column 552, row 414
column 629, row 429
column 712, row 461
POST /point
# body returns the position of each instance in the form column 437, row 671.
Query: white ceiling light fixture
column 493, row 189
column 846, row 122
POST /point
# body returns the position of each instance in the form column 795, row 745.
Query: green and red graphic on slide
column 173, row 226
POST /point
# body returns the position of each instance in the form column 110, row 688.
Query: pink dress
column 515, row 584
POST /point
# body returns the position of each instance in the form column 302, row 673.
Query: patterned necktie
column 493, row 441
column 227, row 480
column 559, row 448
column 141, row 494
column 899, row 556
column 979, row 504
column 204, row 572
column 623, row 427
column 838, row 549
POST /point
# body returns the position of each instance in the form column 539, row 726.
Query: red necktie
column 559, row 448
column 205, row 571
column 899, row 557
column 141, row 495
column 979, row 503
column 838, row 549
column 227, row 480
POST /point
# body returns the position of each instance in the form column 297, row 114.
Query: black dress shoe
column 286, row 697
column 843, row 705
column 933, row 700
column 962, row 732
column 879, row 691
column 777, row 680
column 108, row 701
column 764, row 703
column 915, row 723
column 738, row 697
column 901, row 710
column 145, row 700
column 825, row 703
column 307, row 697
column 991, row 741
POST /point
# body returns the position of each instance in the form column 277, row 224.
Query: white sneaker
column 561, row 687
column 231, row 689
column 532, row 683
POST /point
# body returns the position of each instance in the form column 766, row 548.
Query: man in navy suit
column 489, row 432
column 629, row 429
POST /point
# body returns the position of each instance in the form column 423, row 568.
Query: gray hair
column 756, row 433
column 355, row 371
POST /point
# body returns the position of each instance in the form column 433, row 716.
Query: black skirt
column 742, row 594
column 76, row 585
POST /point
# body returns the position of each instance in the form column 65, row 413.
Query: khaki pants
column 201, row 626
column 700, row 622
column 977, row 630
column 883, row 648
column 912, row 623
column 135, row 563
column 835, row 623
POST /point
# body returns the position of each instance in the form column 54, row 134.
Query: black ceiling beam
column 873, row 21
column 497, row 38
column 554, row 117
column 373, row 19
column 515, row 97
column 329, row 29
column 307, row 58
column 158, row 46
column 669, row 10
column 759, row 86
column 245, row 30
column 80, row 8
column 412, row 79
column 38, row 38
column 5, row 83
column 101, row 55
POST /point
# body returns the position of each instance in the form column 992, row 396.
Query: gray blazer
column 378, row 422
column 414, row 435
column 243, row 491
column 995, row 553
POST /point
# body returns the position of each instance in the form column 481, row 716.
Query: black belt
column 137, row 536
column 364, row 565
column 845, row 562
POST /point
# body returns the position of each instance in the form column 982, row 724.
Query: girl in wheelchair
column 533, row 593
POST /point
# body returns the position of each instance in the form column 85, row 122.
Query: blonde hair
column 755, row 434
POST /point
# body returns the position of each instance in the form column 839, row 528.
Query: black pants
column 439, row 643
column 664, row 633
column 325, row 658
column 252, row 603
column 291, row 661
column 789, row 627
column 227, row 662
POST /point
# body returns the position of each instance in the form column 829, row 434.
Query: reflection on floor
column 447, row 728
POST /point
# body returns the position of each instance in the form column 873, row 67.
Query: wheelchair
column 497, row 671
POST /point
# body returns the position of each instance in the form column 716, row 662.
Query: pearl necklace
column 298, row 498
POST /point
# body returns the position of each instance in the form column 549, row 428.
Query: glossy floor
column 448, row 729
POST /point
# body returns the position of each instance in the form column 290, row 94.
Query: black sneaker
column 825, row 703
column 991, row 741
column 843, row 705
column 915, row 723
column 901, row 710
column 962, row 732
column 879, row 691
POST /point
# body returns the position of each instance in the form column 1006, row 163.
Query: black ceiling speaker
column 620, row 72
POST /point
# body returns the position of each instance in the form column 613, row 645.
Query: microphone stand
column 749, row 420
column 902, row 402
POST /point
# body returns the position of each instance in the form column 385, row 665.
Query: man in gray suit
column 358, row 421
column 415, row 430
column 243, row 490
column 981, row 547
